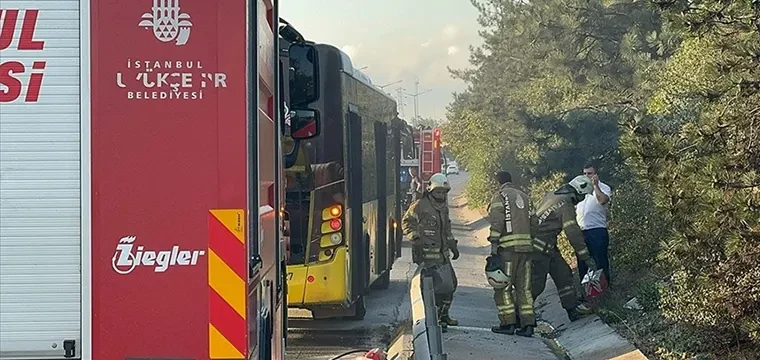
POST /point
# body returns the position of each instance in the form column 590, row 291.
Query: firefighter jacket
column 428, row 227
column 509, row 216
column 553, row 214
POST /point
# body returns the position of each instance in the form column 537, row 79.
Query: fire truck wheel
column 360, row 309
column 383, row 282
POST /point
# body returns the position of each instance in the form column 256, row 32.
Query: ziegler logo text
column 127, row 258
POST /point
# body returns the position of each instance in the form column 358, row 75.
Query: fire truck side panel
column 169, row 180
column 44, row 143
column 265, row 334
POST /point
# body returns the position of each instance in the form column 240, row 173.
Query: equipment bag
column 594, row 283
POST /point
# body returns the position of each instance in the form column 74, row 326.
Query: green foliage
column 637, row 227
column 665, row 96
column 648, row 294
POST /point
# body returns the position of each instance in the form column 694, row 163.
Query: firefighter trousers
column 443, row 304
column 515, row 299
column 554, row 264
column 443, row 300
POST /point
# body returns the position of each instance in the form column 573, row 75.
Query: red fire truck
column 422, row 153
column 141, row 180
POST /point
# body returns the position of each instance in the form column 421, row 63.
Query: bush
column 637, row 228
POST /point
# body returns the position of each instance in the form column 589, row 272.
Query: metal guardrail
column 426, row 331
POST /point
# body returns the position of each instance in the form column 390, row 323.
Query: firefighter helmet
column 582, row 185
column 438, row 181
column 495, row 276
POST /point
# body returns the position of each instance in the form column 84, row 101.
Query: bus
column 343, row 193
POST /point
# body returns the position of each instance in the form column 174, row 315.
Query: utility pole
column 400, row 99
column 416, row 95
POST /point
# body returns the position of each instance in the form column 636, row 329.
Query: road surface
column 473, row 302
column 387, row 310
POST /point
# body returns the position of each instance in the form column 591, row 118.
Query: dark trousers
column 598, row 243
column 552, row 263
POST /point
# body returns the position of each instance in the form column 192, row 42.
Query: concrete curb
column 591, row 338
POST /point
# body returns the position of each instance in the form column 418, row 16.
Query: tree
column 665, row 95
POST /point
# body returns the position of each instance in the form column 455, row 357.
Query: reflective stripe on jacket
column 509, row 216
column 429, row 228
column 554, row 214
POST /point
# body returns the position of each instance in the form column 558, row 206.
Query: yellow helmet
column 438, row 181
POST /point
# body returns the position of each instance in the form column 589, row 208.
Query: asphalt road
column 473, row 303
column 387, row 310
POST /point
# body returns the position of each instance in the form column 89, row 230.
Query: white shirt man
column 591, row 215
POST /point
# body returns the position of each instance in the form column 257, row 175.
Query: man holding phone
column 591, row 215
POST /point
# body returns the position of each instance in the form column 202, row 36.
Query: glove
column 591, row 264
column 417, row 254
column 455, row 251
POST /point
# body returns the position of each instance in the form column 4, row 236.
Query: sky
column 396, row 40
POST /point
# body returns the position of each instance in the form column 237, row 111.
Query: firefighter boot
column 444, row 326
column 449, row 320
column 526, row 331
column 445, row 317
column 504, row 329
column 578, row 312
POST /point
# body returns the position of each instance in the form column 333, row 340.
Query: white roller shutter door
column 40, row 237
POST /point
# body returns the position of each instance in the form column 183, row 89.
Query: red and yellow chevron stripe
column 227, row 271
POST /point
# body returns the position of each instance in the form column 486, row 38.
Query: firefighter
column 510, row 238
column 427, row 226
column 556, row 213
column 415, row 185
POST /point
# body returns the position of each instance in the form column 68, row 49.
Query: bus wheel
column 383, row 282
column 360, row 309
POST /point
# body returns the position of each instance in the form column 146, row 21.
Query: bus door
column 396, row 144
column 357, row 246
column 381, row 135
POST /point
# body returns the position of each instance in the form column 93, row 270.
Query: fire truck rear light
column 310, row 279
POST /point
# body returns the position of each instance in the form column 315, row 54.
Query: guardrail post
column 426, row 330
